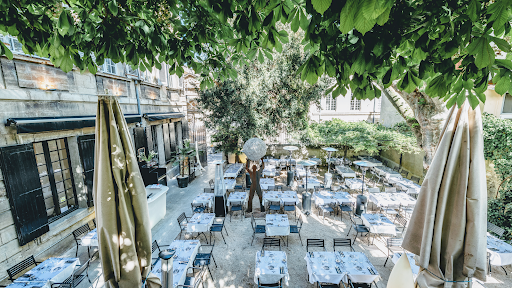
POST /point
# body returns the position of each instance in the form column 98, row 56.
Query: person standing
column 255, row 175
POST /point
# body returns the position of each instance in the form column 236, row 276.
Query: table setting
column 325, row 197
column 277, row 225
column 386, row 172
column 406, row 184
column 370, row 159
column 229, row 183
column 378, row 224
column 205, row 199
column 184, row 254
column 312, row 182
column 384, row 199
column 52, row 270
column 500, row 251
column 355, row 184
column 233, row 170
column 301, row 172
column 345, row 171
column 266, row 182
column 281, row 196
column 271, row 266
column 415, row 268
column 90, row 239
column 237, row 197
column 357, row 267
column 270, row 170
column 200, row 222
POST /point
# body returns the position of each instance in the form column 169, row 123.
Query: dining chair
column 290, row 207
column 236, row 206
column 204, row 257
column 21, row 266
column 401, row 223
column 196, row 280
column 256, row 229
column 359, row 285
column 342, row 242
column 415, row 179
column 182, row 222
column 325, row 209
column 358, row 228
column 295, row 229
column 274, row 285
column 373, row 190
column 274, row 206
column 496, row 230
column 156, row 247
column 78, row 234
column 76, row 278
column 198, row 207
column 315, row 243
column 271, row 242
column 216, row 228
column 345, row 207
column 393, row 245
column 211, row 183
column 327, row 285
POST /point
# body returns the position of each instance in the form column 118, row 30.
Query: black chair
column 390, row 244
column 182, row 222
column 290, row 207
column 325, row 209
column 345, row 207
column 359, row 228
column 359, row 285
column 236, row 206
column 22, row 266
column 197, row 207
column 274, row 285
column 295, row 229
column 78, row 234
column 496, row 230
column 315, row 243
column 156, row 247
column 342, row 242
column 274, row 206
column 256, row 229
column 327, row 285
column 401, row 223
column 196, row 280
column 218, row 227
column 203, row 258
column 76, row 278
column 271, row 242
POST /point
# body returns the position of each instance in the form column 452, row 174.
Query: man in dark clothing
column 255, row 174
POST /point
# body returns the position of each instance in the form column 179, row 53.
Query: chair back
column 81, row 231
column 182, row 218
column 415, row 179
column 299, row 224
column 81, row 269
column 342, row 242
column 271, row 242
column 315, row 243
column 274, row 285
column 390, row 189
column 277, row 203
column 271, row 188
column 279, row 187
column 495, row 229
column 401, row 220
column 155, row 247
column 20, row 267
column 211, row 183
column 198, row 278
column 394, row 242
column 236, row 203
column 289, row 204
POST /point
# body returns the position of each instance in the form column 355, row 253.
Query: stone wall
column 410, row 162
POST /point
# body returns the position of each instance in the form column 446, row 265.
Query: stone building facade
column 46, row 135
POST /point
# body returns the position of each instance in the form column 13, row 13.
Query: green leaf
column 5, row 51
column 304, row 21
column 295, row 22
column 503, row 86
column 363, row 24
column 472, row 10
column 499, row 14
column 501, row 43
column 112, row 6
column 260, row 57
column 451, row 102
column 384, row 17
column 329, row 67
column 473, row 101
column 461, row 97
column 312, row 78
column 347, row 16
column 321, row 5
column 483, row 52
column 481, row 96
column 63, row 23
column 268, row 54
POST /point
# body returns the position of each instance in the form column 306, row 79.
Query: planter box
column 182, row 181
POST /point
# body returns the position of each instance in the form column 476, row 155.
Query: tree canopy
column 445, row 47
column 265, row 100
column 359, row 136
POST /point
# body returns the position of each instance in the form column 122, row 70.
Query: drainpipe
column 138, row 98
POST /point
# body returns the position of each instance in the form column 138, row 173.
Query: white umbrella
column 448, row 227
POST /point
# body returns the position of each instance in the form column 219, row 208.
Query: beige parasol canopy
column 448, row 227
column 124, row 233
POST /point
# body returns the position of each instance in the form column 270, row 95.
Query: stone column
column 160, row 145
column 77, row 170
column 180, row 135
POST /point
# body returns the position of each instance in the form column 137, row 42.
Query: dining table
column 301, row 172
column 277, row 225
column 270, row 170
column 200, row 222
column 378, row 224
column 90, row 239
column 325, row 197
column 386, row 172
column 205, row 199
column 281, row 196
column 405, row 184
column 345, row 171
column 500, row 252
column 229, row 183
column 238, row 197
column 52, row 270
column 185, row 252
column 311, row 182
column 371, row 160
column 233, row 170
column 265, row 183
column 355, row 184
column 384, row 199
column 271, row 267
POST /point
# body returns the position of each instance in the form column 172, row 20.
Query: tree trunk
column 425, row 116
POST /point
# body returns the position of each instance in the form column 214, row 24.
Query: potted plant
column 148, row 159
column 183, row 158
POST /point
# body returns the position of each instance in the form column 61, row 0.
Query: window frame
column 355, row 104
column 330, row 103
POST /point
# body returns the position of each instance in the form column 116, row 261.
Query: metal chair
column 496, row 230
column 195, row 281
column 290, row 207
column 203, row 258
column 359, row 285
column 404, row 173
column 197, row 207
column 218, row 227
column 182, row 222
column 325, row 209
column 274, row 206
column 315, row 243
column 345, row 207
column 211, row 183
column 78, row 234
column 407, row 210
column 156, row 247
column 390, row 209
column 327, row 285
column 295, row 229
column 390, row 243
column 236, row 206
column 401, row 223
column 279, row 187
column 21, row 266
column 274, row 285
column 271, row 242
column 256, row 229
column 415, row 179
column 342, row 242
column 76, row 278
column 271, row 188
column 359, row 228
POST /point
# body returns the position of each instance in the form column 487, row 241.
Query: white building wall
column 369, row 111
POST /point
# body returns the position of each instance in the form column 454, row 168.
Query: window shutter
column 172, row 135
column 140, row 139
column 86, row 147
column 21, row 177
column 167, row 143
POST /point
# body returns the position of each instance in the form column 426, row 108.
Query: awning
column 42, row 124
column 162, row 116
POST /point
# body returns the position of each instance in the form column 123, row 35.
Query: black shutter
column 86, row 147
column 21, row 178
column 140, row 139
column 167, row 144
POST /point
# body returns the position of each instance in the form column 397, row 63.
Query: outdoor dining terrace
column 330, row 245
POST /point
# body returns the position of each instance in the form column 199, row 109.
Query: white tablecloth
column 281, row 196
column 229, row 183
column 200, row 222
column 312, row 182
column 270, row 170
column 185, row 254
column 233, row 170
column 386, row 199
column 237, row 196
column 405, row 184
column 52, row 270
column 334, row 267
column 205, row 199
column 266, row 182
column 322, row 268
column 501, row 252
column 378, row 224
column 301, row 172
column 386, row 172
column 370, row 159
column 271, row 267
column 355, row 184
column 91, row 239
column 277, row 225
column 415, row 268
column 345, row 172
column 358, row 267
column 327, row 197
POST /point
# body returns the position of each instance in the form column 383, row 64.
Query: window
column 507, row 104
column 330, row 103
column 355, row 104
column 15, row 46
column 131, row 71
column 180, row 82
column 109, row 67
column 169, row 79
column 55, row 176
